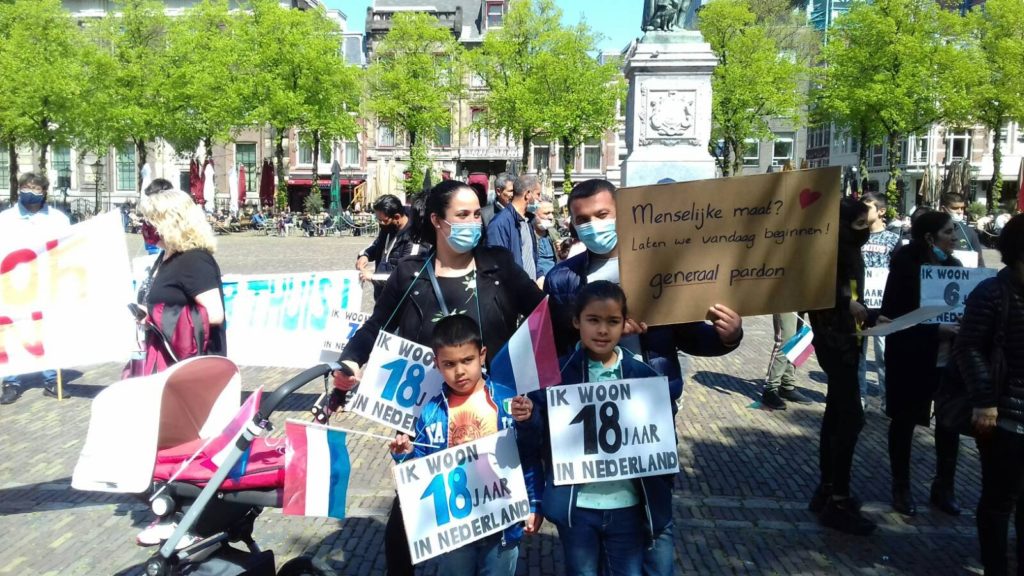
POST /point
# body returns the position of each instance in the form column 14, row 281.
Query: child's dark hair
column 599, row 290
column 455, row 330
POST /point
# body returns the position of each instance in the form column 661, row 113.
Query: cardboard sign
column 283, row 319
column 874, row 286
column 459, row 495
column 969, row 258
column 604, row 431
column 63, row 297
column 397, row 381
column 757, row 244
column 341, row 327
column 947, row 285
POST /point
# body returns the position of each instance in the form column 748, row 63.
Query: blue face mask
column 29, row 198
column 598, row 235
column 464, row 236
column 533, row 207
column 940, row 254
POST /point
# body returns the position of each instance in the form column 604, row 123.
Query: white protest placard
column 341, row 327
column 64, row 296
column 969, row 258
column 912, row 318
column 459, row 495
column 874, row 286
column 950, row 286
column 603, row 431
column 397, row 381
column 282, row 319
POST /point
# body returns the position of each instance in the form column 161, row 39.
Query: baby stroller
column 173, row 415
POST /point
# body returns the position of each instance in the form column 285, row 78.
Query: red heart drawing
column 808, row 197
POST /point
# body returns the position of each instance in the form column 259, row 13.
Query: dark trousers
column 901, row 438
column 1002, row 480
column 842, row 423
column 396, row 544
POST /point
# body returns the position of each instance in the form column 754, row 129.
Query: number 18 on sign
column 604, row 431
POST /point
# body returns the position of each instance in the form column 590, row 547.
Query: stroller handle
column 272, row 400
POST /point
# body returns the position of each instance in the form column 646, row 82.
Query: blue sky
column 617, row 21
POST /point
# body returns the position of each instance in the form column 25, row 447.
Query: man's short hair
column 589, row 188
column 524, row 184
column 501, row 180
column 389, row 204
column 455, row 330
column 33, row 179
column 1011, row 241
column 876, row 198
column 158, row 185
column 952, row 198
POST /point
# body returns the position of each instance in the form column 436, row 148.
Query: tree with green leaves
column 510, row 64
column 907, row 62
column 998, row 30
column 44, row 81
column 754, row 80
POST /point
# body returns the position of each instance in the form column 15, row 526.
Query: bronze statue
column 666, row 15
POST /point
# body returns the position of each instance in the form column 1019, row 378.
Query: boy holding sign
column 471, row 407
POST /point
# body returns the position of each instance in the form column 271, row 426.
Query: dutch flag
column 316, row 470
column 222, row 444
column 798, row 348
column 529, row 360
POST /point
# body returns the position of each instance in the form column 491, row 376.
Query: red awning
column 324, row 181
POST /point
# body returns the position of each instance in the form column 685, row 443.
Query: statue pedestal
column 668, row 118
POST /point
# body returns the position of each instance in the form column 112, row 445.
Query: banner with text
column 341, row 327
column 459, row 495
column 758, row 244
column 874, row 286
column 282, row 319
column 949, row 286
column 63, row 300
column 603, row 431
column 397, row 381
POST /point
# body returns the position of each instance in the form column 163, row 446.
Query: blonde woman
column 184, row 297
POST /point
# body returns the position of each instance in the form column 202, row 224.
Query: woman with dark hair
column 995, row 382
column 913, row 359
column 460, row 276
column 838, row 351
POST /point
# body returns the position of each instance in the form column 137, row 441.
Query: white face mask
column 543, row 224
column 957, row 217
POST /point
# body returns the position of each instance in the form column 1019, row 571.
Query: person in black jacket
column 460, row 276
column 998, row 416
column 393, row 243
column 913, row 358
column 838, row 350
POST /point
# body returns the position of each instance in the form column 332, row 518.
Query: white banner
column 949, row 286
column 397, row 381
column 603, row 431
column 283, row 319
column 969, row 258
column 459, row 495
column 63, row 301
column 341, row 327
column 874, row 286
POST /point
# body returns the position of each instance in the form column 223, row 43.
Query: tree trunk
column 862, row 159
column 568, row 159
column 733, row 151
column 891, row 188
column 43, row 149
column 316, row 162
column 12, row 156
column 208, row 149
column 527, row 140
column 141, row 155
column 280, row 200
column 996, row 191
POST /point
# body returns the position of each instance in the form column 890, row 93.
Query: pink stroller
column 174, row 418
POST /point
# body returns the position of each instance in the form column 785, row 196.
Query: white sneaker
column 158, row 531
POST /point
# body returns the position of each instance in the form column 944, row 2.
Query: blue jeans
column 659, row 559
column 862, row 368
column 485, row 557
column 49, row 376
column 606, row 542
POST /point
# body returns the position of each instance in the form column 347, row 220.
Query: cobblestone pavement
column 740, row 500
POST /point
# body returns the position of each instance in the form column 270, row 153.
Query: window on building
column 877, row 155
column 126, row 167
column 476, row 81
column 1006, row 132
column 443, row 136
column 920, row 153
column 566, row 154
column 60, row 159
column 184, row 181
column 306, row 152
column 592, row 154
column 479, row 136
column 351, row 153
column 245, row 155
column 385, row 136
column 958, row 145
column 782, row 149
column 751, row 152
column 495, row 14
column 541, row 156
column 854, row 146
column 5, row 165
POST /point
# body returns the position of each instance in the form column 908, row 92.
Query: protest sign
column 874, row 286
column 341, row 327
column 949, row 286
column 459, row 495
column 912, row 318
column 397, row 381
column 969, row 258
column 603, row 431
column 282, row 319
column 758, row 244
column 63, row 300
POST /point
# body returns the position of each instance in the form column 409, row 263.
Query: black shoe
column 821, row 495
column 50, row 389
column 841, row 515
column 771, row 399
column 943, row 499
column 903, row 501
column 793, row 395
column 11, row 392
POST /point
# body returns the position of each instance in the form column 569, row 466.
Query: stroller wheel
column 301, row 566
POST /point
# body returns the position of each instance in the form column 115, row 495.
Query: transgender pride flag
column 529, row 361
column 798, row 348
column 316, row 469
